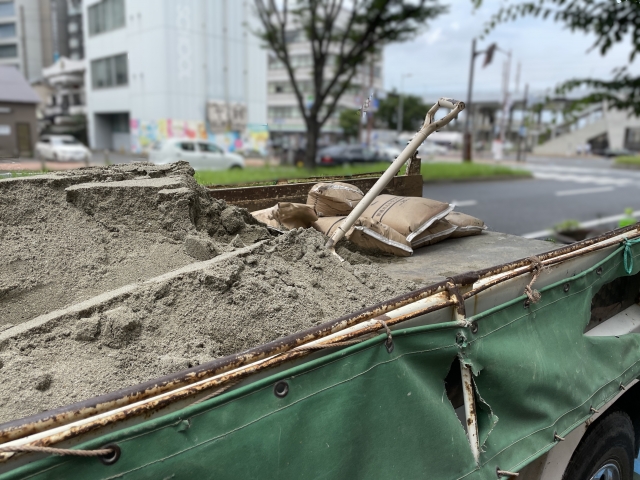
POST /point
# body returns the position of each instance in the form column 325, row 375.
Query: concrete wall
column 19, row 113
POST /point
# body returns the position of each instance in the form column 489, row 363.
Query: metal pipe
column 470, row 410
column 428, row 127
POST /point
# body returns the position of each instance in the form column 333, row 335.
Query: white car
column 63, row 148
column 431, row 149
column 389, row 152
column 200, row 154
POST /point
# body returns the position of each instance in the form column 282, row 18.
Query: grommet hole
column 281, row 389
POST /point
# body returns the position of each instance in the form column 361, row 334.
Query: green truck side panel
column 364, row 413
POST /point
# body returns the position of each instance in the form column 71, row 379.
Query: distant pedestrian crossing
column 586, row 176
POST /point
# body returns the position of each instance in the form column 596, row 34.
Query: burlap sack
column 368, row 234
column 332, row 199
column 287, row 216
column 409, row 216
column 440, row 230
column 466, row 224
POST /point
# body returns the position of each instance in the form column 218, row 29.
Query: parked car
column 200, row 154
column 389, row 153
column 63, row 148
column 342, row 154
column 621, row 152
column 430, row 149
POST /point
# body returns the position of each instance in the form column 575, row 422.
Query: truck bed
column 455, row 256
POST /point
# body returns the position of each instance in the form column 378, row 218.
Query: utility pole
column 522, row 155
column 505, row 105
column 468, row 124
column 467, row 139
column 370, row 119
column 400, row 103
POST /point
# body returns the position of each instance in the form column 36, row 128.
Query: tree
column 341, row 36
column 611, row 22
column 349, row 122
column 413, row 109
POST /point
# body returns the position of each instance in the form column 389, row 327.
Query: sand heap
column 203, row 280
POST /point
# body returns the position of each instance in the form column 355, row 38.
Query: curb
column 493, row 178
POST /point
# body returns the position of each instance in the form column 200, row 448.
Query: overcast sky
column 439, row 58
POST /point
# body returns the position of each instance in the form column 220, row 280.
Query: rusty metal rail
column 52, row 427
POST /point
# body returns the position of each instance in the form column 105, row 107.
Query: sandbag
column 440, row 230
column 409, row 216
column 368, row 234
column 333, row 199
column 287, row 215
column 465, row 224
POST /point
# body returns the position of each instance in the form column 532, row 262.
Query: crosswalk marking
column 583, row 191
column 618, row 182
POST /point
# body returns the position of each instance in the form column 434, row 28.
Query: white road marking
column 561, row 177
column 464, row 203
column 587, row 224
column 583, row 191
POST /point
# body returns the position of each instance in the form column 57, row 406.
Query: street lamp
column 467, row 140
column 400, row 105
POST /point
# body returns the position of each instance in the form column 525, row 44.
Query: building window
column 73, row 27
column 305, row 86
column 74, row 43
column 7, row 30
column 8, row 51
column 283, row 112
column 7, row 9
column 106, row 16
column 109, row 72
column 297, row 61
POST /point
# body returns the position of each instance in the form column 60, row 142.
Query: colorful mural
column 146, row 133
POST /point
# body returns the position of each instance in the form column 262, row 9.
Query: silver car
column 200, row 154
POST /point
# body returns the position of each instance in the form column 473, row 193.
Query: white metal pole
column 428, row 127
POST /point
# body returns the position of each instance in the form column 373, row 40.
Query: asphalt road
column 583, row 190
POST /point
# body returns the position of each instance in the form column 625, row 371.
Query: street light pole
column 467, row 139
column 521, row 155
column 400, row 103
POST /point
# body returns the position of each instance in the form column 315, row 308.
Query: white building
column 35, row 33
column 173, row 68
column 285, row 118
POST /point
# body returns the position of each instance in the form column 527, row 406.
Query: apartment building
column 159, row 69
column 35, row 33
column 286, row 121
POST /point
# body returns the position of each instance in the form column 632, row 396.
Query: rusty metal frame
column 154, row 395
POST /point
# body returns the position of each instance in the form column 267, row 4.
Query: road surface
column 583, row 190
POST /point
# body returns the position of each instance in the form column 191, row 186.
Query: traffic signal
column 488, row 57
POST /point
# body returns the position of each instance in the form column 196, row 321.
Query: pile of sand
column 72, row 236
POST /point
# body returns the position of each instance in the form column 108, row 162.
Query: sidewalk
column 98, row 159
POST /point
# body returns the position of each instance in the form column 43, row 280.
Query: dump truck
column 515, row 359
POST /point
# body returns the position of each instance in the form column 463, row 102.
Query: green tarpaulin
column 364, row 413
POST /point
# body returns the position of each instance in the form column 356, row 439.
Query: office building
column 158, row 69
